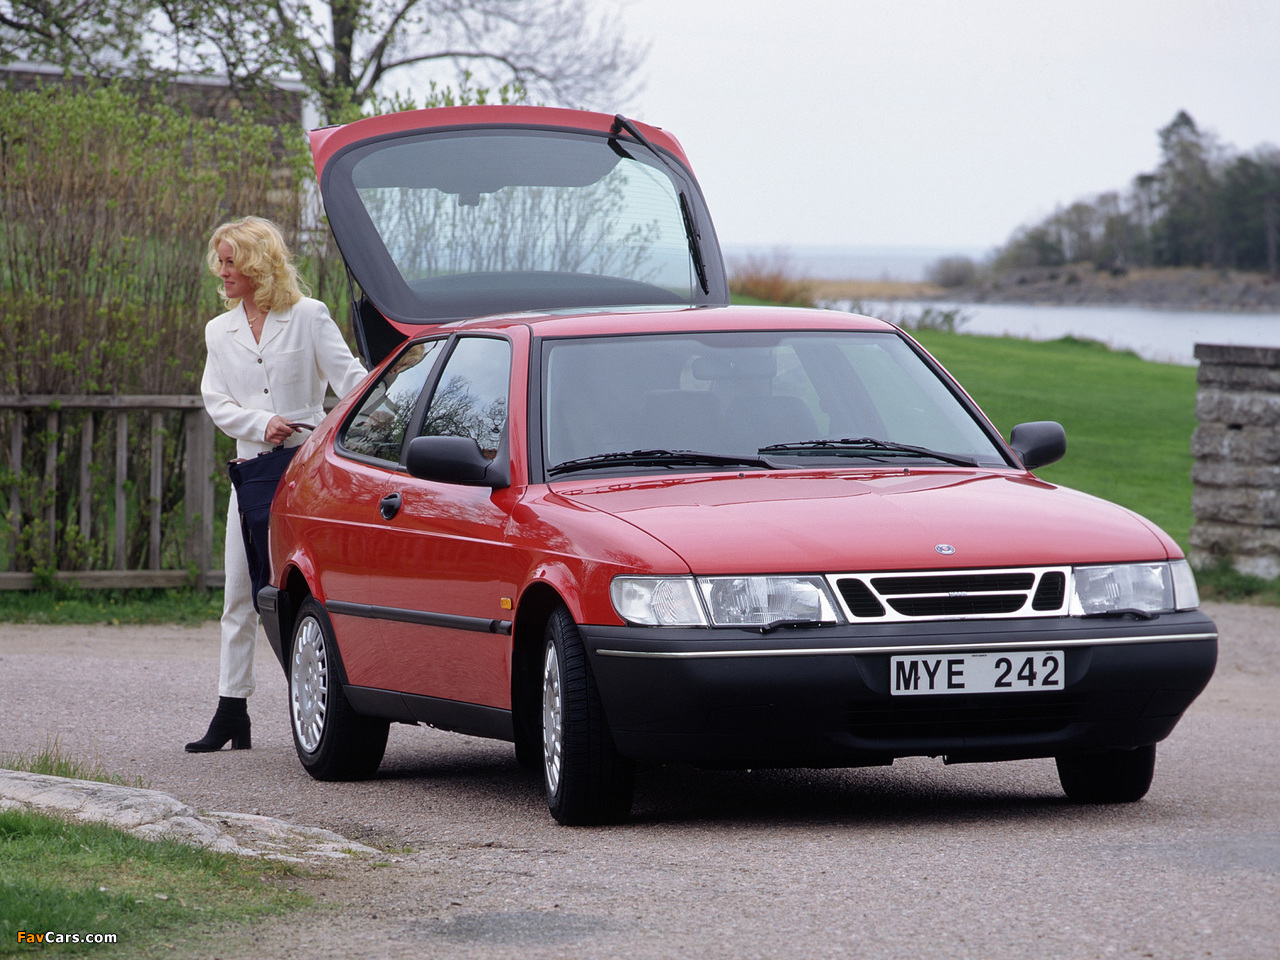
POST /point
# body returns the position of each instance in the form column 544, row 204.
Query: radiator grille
column 925, row 595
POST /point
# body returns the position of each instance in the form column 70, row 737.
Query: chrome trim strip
column 420, row 617
column 907, row 648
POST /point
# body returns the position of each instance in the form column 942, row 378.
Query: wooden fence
column 85, row 447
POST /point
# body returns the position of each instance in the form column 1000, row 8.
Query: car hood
column 853, row 521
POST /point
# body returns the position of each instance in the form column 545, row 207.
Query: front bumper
column 820, row 696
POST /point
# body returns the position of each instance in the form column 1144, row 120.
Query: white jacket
column 246, row 382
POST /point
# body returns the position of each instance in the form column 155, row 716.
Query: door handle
column 389, row 505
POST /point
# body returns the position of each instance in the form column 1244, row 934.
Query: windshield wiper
column 659, row 458
column 690, row 230
column 868, row 445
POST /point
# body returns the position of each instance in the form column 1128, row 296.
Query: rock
column 152, row 815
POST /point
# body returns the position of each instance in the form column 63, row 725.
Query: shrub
column 951, row 272
column 106, row 203
column 107, row 199
column 769, row 279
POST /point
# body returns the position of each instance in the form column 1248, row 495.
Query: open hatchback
column 463, row 212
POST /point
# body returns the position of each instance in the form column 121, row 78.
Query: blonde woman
column 271, row 356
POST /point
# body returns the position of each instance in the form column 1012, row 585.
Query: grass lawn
column 64, row 604
column 1128, row 421
column 122, row 896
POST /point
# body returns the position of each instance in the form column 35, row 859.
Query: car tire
column 588, row 781
column 1109, row 776
column 333, row 741
column 528, row 751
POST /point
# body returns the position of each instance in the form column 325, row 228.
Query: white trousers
column 239, row 619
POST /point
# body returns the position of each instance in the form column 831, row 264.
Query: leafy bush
column 913, row 316
column 106, row 203
column 107, row 198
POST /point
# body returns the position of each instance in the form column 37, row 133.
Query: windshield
column 621, row 404
column 495, row 221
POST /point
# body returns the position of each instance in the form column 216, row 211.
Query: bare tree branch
column 561, row 51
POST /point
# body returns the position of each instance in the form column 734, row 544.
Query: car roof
column 630, row 322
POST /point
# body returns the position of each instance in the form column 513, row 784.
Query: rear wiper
column 690, row 230
column 659, row 458
column 868, row 445
column 695, row 245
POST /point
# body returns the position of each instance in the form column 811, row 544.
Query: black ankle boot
column 230, row 722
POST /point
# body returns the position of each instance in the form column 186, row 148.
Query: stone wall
column 1235, row 505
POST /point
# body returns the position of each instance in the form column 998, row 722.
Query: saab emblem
column 945, row 549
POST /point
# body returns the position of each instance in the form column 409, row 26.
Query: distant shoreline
column 1081, row 285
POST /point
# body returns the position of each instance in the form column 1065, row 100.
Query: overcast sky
column 940, row 123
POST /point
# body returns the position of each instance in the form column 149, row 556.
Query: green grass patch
column 742, row 299
column 52, row 762
column 1224, row 582
column 1128, row 421
column 63, row 604
column 155, row 898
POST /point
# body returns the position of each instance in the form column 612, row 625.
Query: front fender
column 565, row 582
column 278, row 602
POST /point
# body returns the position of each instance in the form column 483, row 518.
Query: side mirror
column 454, row 460
column 1039, row 442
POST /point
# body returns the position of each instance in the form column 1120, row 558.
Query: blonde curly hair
column 261, row 255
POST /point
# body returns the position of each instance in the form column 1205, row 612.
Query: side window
column 378, row 427
column 471, row 395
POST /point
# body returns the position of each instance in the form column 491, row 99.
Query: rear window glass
column 494, row 222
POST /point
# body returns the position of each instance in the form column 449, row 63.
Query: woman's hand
column 279, row 430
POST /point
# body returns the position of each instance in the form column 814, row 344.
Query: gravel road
column 915, row 860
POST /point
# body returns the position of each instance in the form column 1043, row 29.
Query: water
column 835, row 262
column 1167, row 336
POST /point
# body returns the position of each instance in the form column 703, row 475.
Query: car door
column 345, row 506
column 444, row 576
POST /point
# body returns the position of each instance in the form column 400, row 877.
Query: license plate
column 1012, row 672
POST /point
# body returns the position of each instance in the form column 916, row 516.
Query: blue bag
column 255, row 480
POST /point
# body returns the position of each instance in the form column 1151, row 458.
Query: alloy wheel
column 552, row 720
column 309, row 685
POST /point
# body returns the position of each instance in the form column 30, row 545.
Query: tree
column 1201, row 206
column 347, row 52
column 71, row 32
column 952, row 272
column 1187, row 231
column 1248, row 200
column 1036, row 246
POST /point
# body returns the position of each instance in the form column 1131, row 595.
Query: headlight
column 731, row 601
column 657, row 601
column 1185, row 594
column 760, row 601
column 1142, row 587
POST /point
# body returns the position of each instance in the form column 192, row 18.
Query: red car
column 584, row 505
